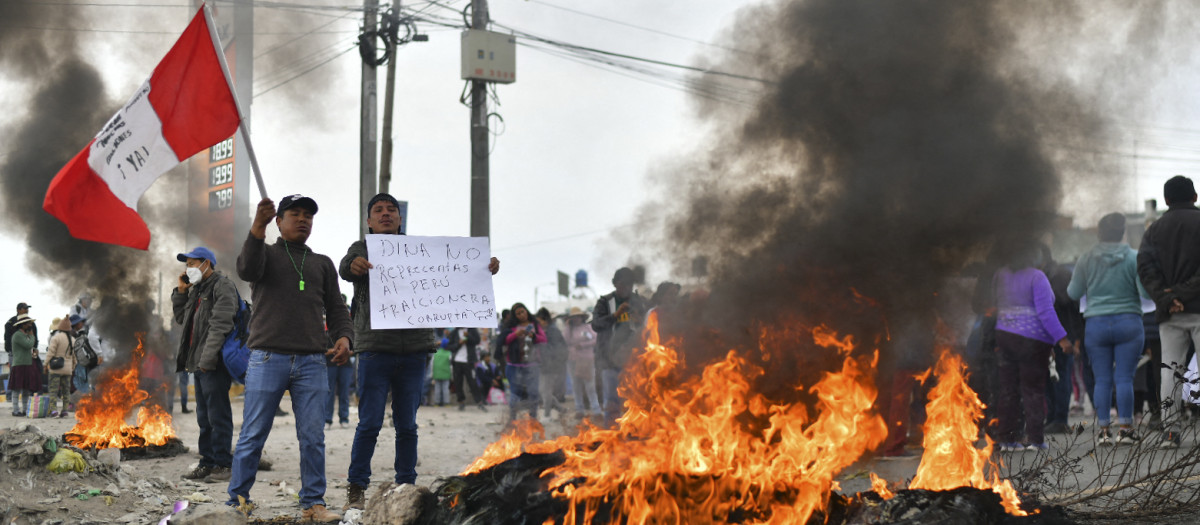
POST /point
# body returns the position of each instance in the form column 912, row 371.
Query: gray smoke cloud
column 67, row 103
column 896, row 142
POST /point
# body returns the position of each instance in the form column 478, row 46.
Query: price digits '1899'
column 220, row 199
column 220, row 175
column 221, row 150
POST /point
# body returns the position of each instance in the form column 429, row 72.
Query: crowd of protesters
column 1110, row 336
column 1048, row 337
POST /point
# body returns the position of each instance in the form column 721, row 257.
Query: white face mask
column 194, row 275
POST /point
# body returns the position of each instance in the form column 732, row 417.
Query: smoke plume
column 896, row 142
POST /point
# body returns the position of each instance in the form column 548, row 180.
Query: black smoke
column 67, row 104
column 895, row 143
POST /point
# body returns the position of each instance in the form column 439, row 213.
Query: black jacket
column 1067, row 309
column 1169, row 258
column 471, row 342
column 615, row 340
column 9, row 330
column 206, row 312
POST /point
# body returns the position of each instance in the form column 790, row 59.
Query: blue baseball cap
column 75, row 319
column 199, row 252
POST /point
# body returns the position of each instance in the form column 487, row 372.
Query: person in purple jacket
column 1027, row 328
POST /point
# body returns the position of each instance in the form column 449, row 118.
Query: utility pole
column 367, row 133
column 389, row 93
column 480, row 198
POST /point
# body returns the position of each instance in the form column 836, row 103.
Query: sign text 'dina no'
column 430, row 282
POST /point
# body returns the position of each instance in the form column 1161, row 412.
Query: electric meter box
column 489, row 56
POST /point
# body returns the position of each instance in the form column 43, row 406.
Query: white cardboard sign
column 430, row 282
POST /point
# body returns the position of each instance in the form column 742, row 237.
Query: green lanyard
column 299, row 269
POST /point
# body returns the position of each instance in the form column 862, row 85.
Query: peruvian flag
column 184, row 107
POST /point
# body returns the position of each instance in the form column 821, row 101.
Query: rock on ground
column 393, row 504
column 208, row 514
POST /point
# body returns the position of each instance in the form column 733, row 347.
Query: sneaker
column 344, row 424
column 1170, row 439
column 1104, row 437
column 186, row 411
column 1036, row 447
column 1011, row 447
column 218, row 475
column 356, row 497
column 319, row 514
column 461, row 407
column 1127, row 436
column 482, row 407
column 63, row 414
column 199, row 472
column 54, row 413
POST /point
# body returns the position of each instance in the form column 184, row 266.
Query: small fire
column 101, row 415
column 689, row 450
column 951, row 430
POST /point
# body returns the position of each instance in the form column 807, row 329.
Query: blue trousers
column 339, row 386
column 267, row 377
column 404, row 375
column 1114, row 344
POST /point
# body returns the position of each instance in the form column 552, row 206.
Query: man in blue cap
column 205, row 303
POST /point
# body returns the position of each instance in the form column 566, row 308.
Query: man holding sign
column 393, row 333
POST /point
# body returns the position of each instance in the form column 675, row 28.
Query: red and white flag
column 184, row 107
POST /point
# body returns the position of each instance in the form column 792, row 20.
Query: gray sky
column 577, row 143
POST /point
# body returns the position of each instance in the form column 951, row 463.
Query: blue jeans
column 523, row 389
column 267, row 377
column 1058, row 393
column 339, row 385
column 182, row 383
column 1114, row 344
column 404, row 375
column 613, row 404
column 215, row 417
column 81, row 379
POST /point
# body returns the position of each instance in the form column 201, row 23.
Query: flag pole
column 216, row 41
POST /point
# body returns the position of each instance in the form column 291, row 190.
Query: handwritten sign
column 430, row 282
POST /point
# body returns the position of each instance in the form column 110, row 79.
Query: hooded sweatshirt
column 1107, row 275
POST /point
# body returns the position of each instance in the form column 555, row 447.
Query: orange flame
column 101, row 415
column 691, row 450
column 951, row 430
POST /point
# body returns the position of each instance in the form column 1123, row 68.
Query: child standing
column 442, row 373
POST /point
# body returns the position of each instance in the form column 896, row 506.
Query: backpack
column 84, row 354
column 234, row 352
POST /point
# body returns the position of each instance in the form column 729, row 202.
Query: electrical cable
column 305, row 72
column 643, row 28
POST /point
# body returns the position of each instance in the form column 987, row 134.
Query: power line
column 568, row 237
column 306, row 71
column 143, row 32
column 663, row 63
column 643, row 28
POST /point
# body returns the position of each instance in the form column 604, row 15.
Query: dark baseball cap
column 381, row 197
column 198, row 252
column 296, row 200
column 22, row 306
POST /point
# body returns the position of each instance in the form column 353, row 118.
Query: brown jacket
column 60, row 346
